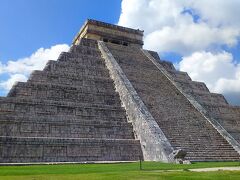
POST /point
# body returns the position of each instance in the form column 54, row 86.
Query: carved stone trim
column 195, row 104
column 155, row 145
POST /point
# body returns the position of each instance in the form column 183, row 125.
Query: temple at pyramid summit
column 108, row 99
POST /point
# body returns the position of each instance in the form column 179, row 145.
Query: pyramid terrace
column 108, row 99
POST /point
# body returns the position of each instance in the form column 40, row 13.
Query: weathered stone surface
column 179, row 154
column 97, row 30
column 183, row 124
column 213, row 106
column 114, row 102
column 155, row 145
column 36, row 149
column 69, row 112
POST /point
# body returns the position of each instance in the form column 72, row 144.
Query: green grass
column 151, row 170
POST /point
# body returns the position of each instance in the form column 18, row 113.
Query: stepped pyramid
column 107, row 99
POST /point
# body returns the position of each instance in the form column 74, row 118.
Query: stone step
column 88, row 42
column 49, row 107
column 194, row 139
column 129, row 63
column 200, row 144
column 39, row 149
column 72, row 67
column 68, row 94
column 185, row 136
column 231, row 123
column 191, row 86
column 79, row 79
column 64, row 119
column 210, row 151
column 155, row 55
column 124, row 49
column 219, row 157
column 176, row 116
column 179, row 75
column 197, row 155
column 167, row 65
column 74, row 64
column 85, row 45
column 232, row 127
column 209, row 98
column 205, row 148
column 183, row 127
column 81, row 49
column 114, row 121
column 125, row 55
column 211, row 154
column 81, row 129
column 204, row 145
column 212, row 158
column 84, row 60
column 228, row 116
column 19, row 86
column 223, row 110
column 64, row 56
column 187, row 144
column 112, row 117
column 152, row 86
column 191, row 134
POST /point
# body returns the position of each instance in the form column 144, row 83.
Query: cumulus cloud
column 183, row 26
column 219, row 71
column 196, row 30
column 185, row 39
column 1, row 67
column 218, row 12
column 209, row 67
column 19, row 70
column 13, row 78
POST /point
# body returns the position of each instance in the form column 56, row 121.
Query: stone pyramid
column 107, row 99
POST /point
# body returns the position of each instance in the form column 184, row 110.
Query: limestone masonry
column 107, row 99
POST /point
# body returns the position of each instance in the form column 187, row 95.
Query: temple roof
column 98, row 30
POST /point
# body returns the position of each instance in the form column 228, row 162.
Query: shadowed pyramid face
column 97, row 30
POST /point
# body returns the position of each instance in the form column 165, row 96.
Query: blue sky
column 27, row 25
column 199, row 37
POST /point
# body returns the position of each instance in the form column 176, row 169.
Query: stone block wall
column 23, row 150
column 215, row 105
column 69, row 112
column 184, row 125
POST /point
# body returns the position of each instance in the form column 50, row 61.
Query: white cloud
column 183, row 26
column 185, row 39
column 19, row 70
column 1, row 67
column 218, row 12
column 13, row 78
column 36, row 61
column 219, row 71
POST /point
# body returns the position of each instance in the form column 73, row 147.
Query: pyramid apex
column 98, row 30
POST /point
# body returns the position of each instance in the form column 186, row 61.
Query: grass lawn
column 151, row 170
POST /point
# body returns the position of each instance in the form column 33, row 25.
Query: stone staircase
column 184, row 126
column 69, row 112
column 216, row 105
